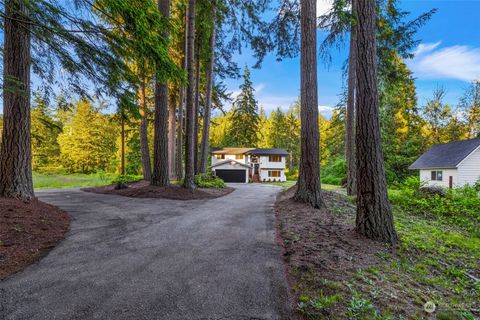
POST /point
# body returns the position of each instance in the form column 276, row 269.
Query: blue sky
column 449, row 56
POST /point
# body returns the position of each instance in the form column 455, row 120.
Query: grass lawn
column 291, row 183
column 51, row 181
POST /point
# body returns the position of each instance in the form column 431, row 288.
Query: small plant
column 208, row 180
column 311, row 306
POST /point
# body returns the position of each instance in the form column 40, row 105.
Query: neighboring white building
column 249, row 164
column 453, row 164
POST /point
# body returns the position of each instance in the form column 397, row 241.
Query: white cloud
column 455, row 62
column 323, row 7
column 258, row 88
column 425, row 48
column 326, row 111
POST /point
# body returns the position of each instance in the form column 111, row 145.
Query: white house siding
column 230, row 166
column 469, row 169
column 228, row 157
column 426, row 175
column 264, row 163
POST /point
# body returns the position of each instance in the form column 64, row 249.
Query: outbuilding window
column 239, row 156
column 274, row 158
column 220, row 156
column 437, row 176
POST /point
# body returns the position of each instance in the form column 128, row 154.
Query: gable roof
column 232, row 162
column 268, row 151
column 231, row 150
column 448, row 155
column 254, row 151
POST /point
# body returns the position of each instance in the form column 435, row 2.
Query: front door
column 256, row 167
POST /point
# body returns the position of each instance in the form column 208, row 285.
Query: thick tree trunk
column 208, row 95
column 171, row 139
column 350, row 125
column 145, row 151
column 16, row 153
column 197, row 107
column 160, row 176
column 308, row 185
column 190, row 105
column 374, row 215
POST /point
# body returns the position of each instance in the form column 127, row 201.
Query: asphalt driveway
column 135, row 259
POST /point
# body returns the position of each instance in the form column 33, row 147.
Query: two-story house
column 249, row 164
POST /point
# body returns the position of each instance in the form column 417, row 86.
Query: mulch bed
column 142, row 189
column 28, row 230
column 322, row 245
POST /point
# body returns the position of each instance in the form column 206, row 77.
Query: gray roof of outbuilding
column 266, row 151
column 448, row 155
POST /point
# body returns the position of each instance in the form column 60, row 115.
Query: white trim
column 230, row 161
column 458, row 165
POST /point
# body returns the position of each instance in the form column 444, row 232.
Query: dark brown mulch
column 322, row 245
column 142, row 189
column 28, row 230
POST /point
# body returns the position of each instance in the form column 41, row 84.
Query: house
column 453, row 164
column 249, row 164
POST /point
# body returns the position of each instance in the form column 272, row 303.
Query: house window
column 437, row 176
column 220, row 156
column 239, row 156
column 275, row 158
column 274, row 174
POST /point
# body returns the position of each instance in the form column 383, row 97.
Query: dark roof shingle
column 447, row 155
column 267, row 152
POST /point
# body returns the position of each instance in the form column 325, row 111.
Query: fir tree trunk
column 350, row 125
column 190, row 104
column 208, row 94
column 145, row 153
column 308, row 185
column 160, row 176
column 180, row 125
column 16, row 153
column 171, row 138
column 197, row 108
column 374, row 214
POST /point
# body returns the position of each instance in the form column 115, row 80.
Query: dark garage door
column 231, row 175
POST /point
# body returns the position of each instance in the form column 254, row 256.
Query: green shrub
column 208, row 180
column 335, row 172
column 291, row 175
column 459, row 206
column 125, row 179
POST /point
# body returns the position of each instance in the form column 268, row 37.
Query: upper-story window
column 437, row 176
column 239, row 156
column 275, row 158
column 220, row 156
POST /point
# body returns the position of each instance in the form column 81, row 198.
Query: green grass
column 290, row 183
column 53, row 181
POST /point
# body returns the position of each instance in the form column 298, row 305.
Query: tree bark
column 208, row 94
column 189, row 140
column 160, row 176
column 308, row 185
column 374, row 214
column 171, row 138
column 197, row 107
column 350, row 119
column 16, row 153
column 145, row 152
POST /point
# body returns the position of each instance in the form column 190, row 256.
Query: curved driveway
column 136, row 259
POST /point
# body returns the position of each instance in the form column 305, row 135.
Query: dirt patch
column 28, row 230
column 142, row 189
column 323, row 252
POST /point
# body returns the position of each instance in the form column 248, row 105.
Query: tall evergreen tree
column 190, row 126
column 470, row 105
column 308, row 185
column 244, row 117
column 161, row 173
column 374, row 214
